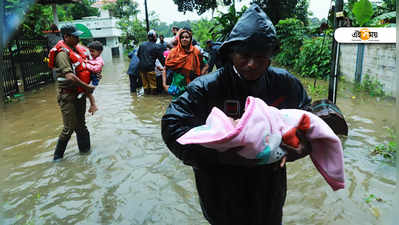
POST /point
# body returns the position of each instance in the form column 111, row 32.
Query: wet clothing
column 148, row 52
column 233, row 194
column 185, row 64
column 228, row 194
column 95, row 66
column 72, row 109
column 77, row 57
column 149, row 80
column 185, row 61
column 214, row 58
column 133, row 71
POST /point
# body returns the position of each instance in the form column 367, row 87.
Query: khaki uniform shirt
column 63, row 66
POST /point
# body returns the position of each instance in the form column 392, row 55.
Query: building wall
column 379, row 61
column 103, row 28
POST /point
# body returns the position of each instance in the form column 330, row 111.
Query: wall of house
column 377, row 61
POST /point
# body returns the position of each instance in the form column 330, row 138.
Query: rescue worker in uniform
column 232, row 189
column 72, row 109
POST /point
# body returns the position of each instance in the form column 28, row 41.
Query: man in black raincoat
column 232, row 189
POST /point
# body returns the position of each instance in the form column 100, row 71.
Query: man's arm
column 180, row 117
column 75, row 80
column 303, row 102
column 62, row 63
column 165, row 86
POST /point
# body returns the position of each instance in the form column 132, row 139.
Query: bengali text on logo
column 365, row 35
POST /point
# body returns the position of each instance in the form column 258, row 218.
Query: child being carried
column 94, row 64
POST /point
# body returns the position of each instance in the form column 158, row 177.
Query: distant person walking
column 148, row 52
column 133, row 72
column 173, row 42
column 162, row 42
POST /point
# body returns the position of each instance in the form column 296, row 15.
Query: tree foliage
column 290, row 32
column 201, row 31
column 133, row 32
column 123, row 8
column 200, row 6
column 81, row 9
column 38, row 18
column 275, row 9
column 314, row 57
column 363, row 11
column 301, row 11
column 278, row 9
column 224, row 23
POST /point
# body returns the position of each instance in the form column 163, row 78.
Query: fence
column 24, row 60
column 10, row 85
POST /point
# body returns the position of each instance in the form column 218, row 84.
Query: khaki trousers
column 73, row 115
column 149, row 80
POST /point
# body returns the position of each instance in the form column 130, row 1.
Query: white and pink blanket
column 260, row 132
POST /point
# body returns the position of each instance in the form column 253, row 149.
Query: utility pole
column 338, row 20
column 146, row 16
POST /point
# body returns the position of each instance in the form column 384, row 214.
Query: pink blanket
column 262, row 128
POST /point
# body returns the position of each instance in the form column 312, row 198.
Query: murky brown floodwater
column 131, row 178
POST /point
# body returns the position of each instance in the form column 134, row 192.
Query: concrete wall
column 379, row 61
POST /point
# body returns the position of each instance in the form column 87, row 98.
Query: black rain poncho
column 232, row 194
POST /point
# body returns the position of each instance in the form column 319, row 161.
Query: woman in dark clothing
column 232, row 189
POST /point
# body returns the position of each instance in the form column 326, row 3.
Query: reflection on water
column 131, row 178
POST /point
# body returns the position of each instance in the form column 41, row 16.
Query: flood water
column 131, row 178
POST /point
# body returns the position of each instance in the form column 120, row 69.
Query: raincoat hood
column 253, row 27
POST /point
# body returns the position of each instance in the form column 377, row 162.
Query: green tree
column 81, row 9
column 275, row 9
column 123, row 8
column 181, row 24
column 278, row 9
column 363, row 11
column 201, row 31
column 301, row 11
column 36, row 18
column 133, row 32
column 163, row 28
column 154, row 20
column 224, row 23
column 290, row 32
column 199, row 6
column 314, row 58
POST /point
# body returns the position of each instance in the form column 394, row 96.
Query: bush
column 389, row 148
column 291, row 33
column 314, row 58
column 372, row 86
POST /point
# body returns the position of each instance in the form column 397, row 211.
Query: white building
column 103, row 28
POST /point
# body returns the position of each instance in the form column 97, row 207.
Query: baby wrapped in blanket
column 260, row 132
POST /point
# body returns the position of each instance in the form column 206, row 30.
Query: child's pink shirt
column 95, row 65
